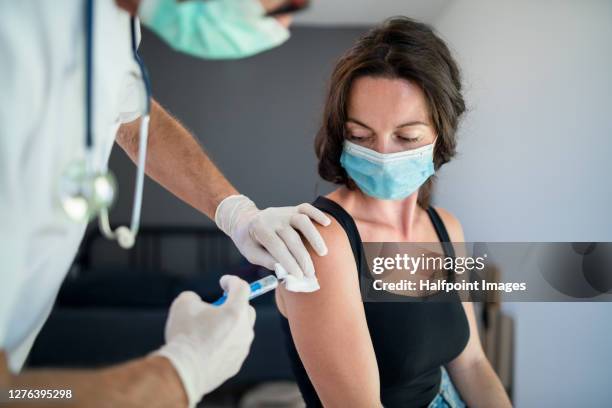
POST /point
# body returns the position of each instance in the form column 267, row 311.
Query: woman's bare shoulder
column 337, row 242
column 336, row 271
column 452, row 224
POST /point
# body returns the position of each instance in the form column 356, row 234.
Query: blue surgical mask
column 213, row 29
column 387, row 176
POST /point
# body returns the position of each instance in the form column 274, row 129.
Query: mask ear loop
column 125, row 236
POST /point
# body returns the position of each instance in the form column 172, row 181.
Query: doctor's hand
column 208, row 344
column 271, row 237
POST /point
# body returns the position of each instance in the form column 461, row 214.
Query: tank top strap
column 346, row 222
column 441, row 232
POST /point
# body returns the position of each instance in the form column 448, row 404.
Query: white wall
column 338, row 13
column 534, row 164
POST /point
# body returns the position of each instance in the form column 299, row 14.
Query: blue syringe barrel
column 258, row 288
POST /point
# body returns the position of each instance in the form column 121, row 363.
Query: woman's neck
column 398, row 215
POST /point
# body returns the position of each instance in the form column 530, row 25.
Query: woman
column 397, row 90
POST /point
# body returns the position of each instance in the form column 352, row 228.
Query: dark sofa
column 113, row 305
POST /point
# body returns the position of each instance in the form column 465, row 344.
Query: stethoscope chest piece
column 87, row 191
column 84, row 193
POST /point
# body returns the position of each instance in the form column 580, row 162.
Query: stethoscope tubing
column 104, row 223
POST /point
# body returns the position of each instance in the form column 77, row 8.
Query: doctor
column 71, row 85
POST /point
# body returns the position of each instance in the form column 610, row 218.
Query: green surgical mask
column 213, row 29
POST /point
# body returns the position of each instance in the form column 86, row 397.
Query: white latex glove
column 270, row 237
column 207, row 344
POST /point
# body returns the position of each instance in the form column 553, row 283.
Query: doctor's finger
column 259, row 256
column 188, row 301
column 298, row 250
column 303, row 224
column 251, row 315
column 237, row 290
column 277, row 248
column 314, row 213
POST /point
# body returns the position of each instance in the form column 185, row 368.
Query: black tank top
column 412, row 340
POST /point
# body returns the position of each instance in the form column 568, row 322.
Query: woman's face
column 388, row 115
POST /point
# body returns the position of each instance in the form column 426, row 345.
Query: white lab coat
column 42, row 102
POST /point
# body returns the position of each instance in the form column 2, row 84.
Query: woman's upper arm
column 329, row 328
column 473, row 351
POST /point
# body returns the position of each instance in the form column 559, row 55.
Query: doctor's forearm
column 150, row 382
column 177, row 161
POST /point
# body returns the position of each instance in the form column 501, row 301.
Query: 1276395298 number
column 32, row 394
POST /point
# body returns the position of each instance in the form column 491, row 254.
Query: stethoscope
column 85, row 191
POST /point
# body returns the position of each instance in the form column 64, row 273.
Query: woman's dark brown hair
column 398, row 48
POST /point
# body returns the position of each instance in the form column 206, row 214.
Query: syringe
column 258, row 288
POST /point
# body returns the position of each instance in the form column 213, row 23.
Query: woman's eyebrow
column 359, row 123
column 413, row 123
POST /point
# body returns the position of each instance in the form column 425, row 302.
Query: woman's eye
column 409, row 139
column 353, row 136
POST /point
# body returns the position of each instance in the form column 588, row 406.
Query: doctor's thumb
column 237, row 290
column 187, row 301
